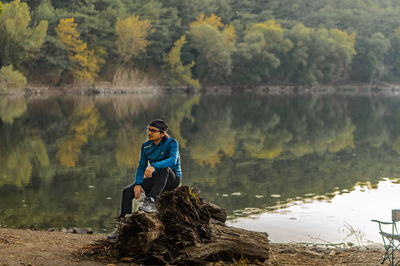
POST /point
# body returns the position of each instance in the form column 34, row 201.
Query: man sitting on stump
column 159, row 169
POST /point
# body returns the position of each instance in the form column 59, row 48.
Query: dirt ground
column 27, row 247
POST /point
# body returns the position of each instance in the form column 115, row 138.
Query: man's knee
column 163, row 171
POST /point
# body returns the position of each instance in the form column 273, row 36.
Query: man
column 159, row 169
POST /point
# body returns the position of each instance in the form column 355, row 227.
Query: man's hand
column 137, row 189
column 149, row 172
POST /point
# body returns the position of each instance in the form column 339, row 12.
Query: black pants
column 165, row 179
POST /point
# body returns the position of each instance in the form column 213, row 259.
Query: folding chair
column 391, row 240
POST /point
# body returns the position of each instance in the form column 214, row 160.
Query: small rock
column 317, row 249
column 76, row 230
column 311, row 253
column 375, row 247
column 362, row 248
column 338, row 251
column 288, row 250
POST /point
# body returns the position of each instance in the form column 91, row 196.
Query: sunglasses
column 152, row 130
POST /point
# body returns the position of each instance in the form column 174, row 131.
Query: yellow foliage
column 128, row 144
column 16, row 164
column 222, row 144
column 229, row 31
column 19, row 42
column 12, row 109
column 183, row 112
column 268, row 25
column 332, row 141
column 212, row 20
column 131, row 37
column 344, row 139
column 272, row 24
column 344, row 40
column 84, row 63
column 173, row 69
column 85, row 123
column 266, row 146
column 301, row 148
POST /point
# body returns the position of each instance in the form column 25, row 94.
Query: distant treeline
column 199, row 43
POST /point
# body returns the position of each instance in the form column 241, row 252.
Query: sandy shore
column 28, row 247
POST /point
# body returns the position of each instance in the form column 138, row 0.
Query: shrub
column 10, row 78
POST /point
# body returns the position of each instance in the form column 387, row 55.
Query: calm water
column 301, row 168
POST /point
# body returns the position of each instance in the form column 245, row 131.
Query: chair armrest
column 382, row 222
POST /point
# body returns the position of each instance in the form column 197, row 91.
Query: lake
column 303, row 168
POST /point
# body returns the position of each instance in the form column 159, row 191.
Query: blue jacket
column 163, row 155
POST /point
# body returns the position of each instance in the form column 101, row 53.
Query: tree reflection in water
column 64, row 160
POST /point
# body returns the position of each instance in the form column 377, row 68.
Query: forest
column 199, row 43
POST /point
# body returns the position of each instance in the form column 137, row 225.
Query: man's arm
column 172, row 149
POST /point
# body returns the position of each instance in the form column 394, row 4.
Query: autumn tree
column 174, row 71
column 84, row 65
column 18, row 41
column 215, row 44
column 131, row 37
column 167, row 28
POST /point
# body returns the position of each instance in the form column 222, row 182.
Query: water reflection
column 342, row 219
column 63, row 161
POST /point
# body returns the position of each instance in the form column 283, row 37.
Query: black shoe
column 114, row 235
column 149, row 205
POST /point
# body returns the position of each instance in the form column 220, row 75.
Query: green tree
column 295, row 64
column 175, row 72
column 53, row 58
column 395, row 53
column 331, row 54
column 260, row 52
column 318, row 55
column 18, row 41
column 215, row 44
column 10, row 78
column 369, row 63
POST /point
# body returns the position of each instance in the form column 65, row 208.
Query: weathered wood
column 230, row 243
column 186, row 230
column 216, row 212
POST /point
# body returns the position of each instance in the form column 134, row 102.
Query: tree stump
column 186, row 230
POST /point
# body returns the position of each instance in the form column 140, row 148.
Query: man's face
column 154, row 134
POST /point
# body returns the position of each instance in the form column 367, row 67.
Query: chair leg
column 386, row 255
